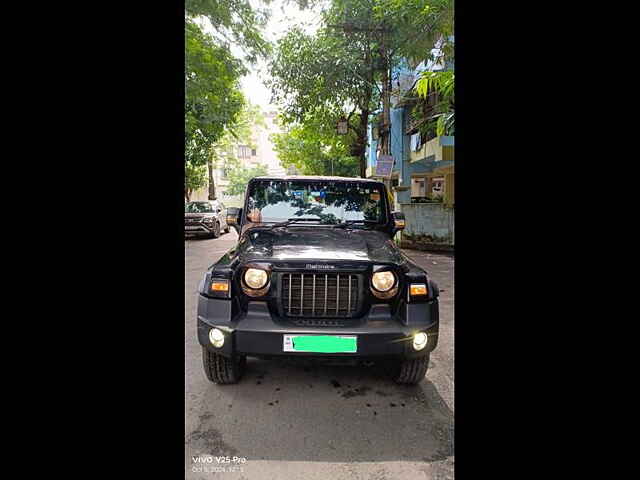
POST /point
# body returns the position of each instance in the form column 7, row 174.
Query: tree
column 212, row 95
column 224, row 151
column 444, row 84
column 239, row 176
column 324, row 76
column 195, row 177
column 394, row 31
column 235, row 21
column 212, row 86
column 347, row 65
column 314, row 148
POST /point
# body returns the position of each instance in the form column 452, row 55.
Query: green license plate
column 320, row 343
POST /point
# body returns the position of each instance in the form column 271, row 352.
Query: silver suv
column 207, row 217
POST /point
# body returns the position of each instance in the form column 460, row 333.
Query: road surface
column 289, row 420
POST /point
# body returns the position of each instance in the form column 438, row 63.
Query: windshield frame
column 384, row 203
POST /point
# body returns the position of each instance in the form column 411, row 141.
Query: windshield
column 198, row 207
column 323, row 201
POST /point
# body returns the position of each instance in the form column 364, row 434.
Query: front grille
column 192, row 220
column 319, row 295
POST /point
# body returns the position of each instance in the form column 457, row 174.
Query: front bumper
column 257, row 333
column 198, row 229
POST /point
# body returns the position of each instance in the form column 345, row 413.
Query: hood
column 318, row 243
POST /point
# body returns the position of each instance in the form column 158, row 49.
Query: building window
column 437, row 186
column 253, row 152
column 418, row 187
column 244, row 151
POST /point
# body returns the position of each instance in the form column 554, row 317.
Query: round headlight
column 255, row 278
column 383, row 281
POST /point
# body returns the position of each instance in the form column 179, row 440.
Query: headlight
column 383, row 281
column 420, row 341
column 216, row 337
column 255, row 278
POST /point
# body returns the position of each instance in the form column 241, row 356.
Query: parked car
column 205, row 218
column 316, row 273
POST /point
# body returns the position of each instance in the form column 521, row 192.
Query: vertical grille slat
column 337, row 294
column 313, row 303
column 301, row 295
column 326, row 283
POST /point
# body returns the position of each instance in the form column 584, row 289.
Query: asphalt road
column 291, row 420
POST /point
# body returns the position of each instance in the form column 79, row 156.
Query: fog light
column 216, row 337
column 420, row 341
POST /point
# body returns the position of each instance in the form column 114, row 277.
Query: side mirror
column 398, row 221
column 234, row 214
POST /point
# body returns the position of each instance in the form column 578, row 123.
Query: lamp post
column 342, row 127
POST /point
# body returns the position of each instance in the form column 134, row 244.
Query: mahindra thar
column 316, row 273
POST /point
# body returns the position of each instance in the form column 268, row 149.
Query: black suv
column 205, row 218
column 316, row 273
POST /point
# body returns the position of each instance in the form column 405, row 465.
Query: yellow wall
column 449, row 189
column 432, row 147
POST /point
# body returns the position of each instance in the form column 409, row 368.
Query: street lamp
column 342, row 126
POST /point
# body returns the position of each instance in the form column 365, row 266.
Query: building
column 423, row 165
column 423, row 171
column 259, row 152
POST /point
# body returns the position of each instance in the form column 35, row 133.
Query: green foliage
column 239, row 176
column 444, row 84
column 224, row 152
column 314, row 148
column 339, row 69
column 235, row 21
column 213, row 98
column 311, row 73
column 416, row 26
column 195, row 177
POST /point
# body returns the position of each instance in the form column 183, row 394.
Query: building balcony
column 437, row 149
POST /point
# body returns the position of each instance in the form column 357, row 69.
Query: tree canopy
column 212, row 91
column 346, row 67
column 213, row 99
column 314, row 148
column 235, row 21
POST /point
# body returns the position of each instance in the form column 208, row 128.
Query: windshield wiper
column 290, row 221
column 348, row 223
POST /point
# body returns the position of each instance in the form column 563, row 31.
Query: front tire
column 412, row 371
column 216, row 230
column 223, row 370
